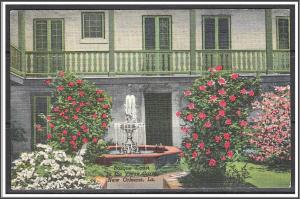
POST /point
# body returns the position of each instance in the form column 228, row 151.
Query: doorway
column 158, row 117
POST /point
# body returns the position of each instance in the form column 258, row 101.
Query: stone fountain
column 129, row 128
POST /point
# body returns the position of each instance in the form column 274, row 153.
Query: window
column 48, row 34
column 283, row 33
column 48, row 37
column 157, row 32
column 216, row 32
column 92, row 25
column 40, row 106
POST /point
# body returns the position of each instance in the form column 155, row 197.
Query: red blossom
column 223, row 158
column 79, row 81
column 243, row 123
column 228, row 121
column 207, row 124
column 105, row 106
column 100, row 99
column 251, row 93
column 222, row 92
column 74, row 137
column 188, row 145
column 227, row 145
column 184, row 129
column 202, row 88
column 78, row 133
column 51, row 125
column 213, row 98
column 81, row 93
column 49, row 136
column 104, row 116
column 238, row 112
column 212, row 163
column 64, row 132
column 210, row 83
column 75, row 117
column 222, row 103
column 201, row 145
column 98, row 91
column 221, row 81
column 229, row 154
column 189, row 117
column 191, row 106
column 74, row 103
column 56, row 109
column 232, row 98
column 47, row 82
column 38, row 127
column 202, row 115
column 85, row 140
column 69, row 98
column 222, row 113
column 194, row 154
column 226, row 136
column 71, row 84
column 234, row 76
column 60, row 88
column 95, row 115
column 81, row 104
column 77, row 109
column 95, row 140
column 219, row 68
column 217, row 139
column 195, row 136
column 104, row 125
column 178, row 113
column 243, row 91
column 187, row 93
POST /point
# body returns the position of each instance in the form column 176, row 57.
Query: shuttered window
column 48, row 34
column 157, row 32
column 283, row 33
column 40, row 106
column 216, row 32
column 93, row 25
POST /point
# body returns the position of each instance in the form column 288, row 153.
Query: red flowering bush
column 215, row 120
column 271, row 133
column 80, row 113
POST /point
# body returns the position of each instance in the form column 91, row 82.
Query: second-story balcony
column 43, row 64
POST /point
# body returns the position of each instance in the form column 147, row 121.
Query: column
column 111, row 42
column 269, row 42
column 192, row 41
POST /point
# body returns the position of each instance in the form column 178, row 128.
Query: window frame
column 277, row 32
column 102, row 28
column 216, row 18
column 49, row 33
column 157, row 37
column 33, row 116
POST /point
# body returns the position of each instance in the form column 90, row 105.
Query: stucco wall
column 14, row 28
column 247, row 28
column 72, row 21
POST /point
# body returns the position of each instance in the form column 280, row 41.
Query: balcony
column 44, row 64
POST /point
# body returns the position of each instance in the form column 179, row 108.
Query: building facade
column 152, row 54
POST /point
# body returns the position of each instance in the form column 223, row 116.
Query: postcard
column 147, row 98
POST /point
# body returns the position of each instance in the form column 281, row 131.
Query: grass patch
column 262, row 176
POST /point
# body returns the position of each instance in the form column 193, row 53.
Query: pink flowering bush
column 215, row 120
column 271, row 133
column 80, row 113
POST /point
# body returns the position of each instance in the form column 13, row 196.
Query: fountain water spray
column 129, row 127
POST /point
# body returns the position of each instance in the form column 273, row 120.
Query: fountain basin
column 159, row 155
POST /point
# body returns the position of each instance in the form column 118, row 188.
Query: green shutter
column 149, row 25
column 209, row 33
column 223, row 33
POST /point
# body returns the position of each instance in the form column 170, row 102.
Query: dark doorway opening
column 158, row 114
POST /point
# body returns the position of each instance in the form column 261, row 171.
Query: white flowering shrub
column 46, row 169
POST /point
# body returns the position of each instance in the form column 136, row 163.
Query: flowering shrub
column 46, row 169
column 215, row 120
column 80, row 113
column 272, row 127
